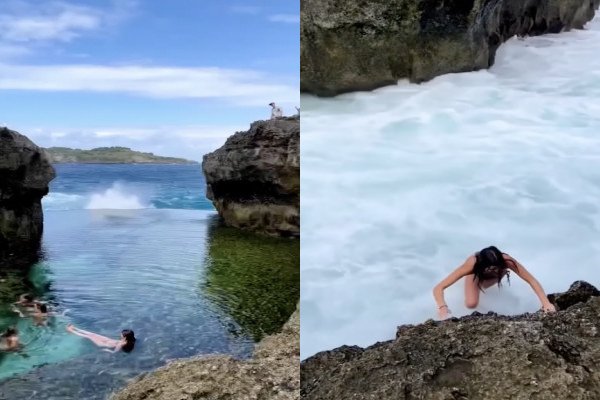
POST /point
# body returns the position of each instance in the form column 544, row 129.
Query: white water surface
column 401, row 184
column 119, row 196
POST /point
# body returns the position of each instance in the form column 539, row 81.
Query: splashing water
column 126, row 187
column 402, row 184
column 115, row 198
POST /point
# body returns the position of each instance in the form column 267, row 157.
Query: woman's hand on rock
column 549, row 307
column 444, row 313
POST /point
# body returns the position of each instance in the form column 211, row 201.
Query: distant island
column 109, row 155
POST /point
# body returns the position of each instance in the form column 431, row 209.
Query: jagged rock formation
column 254, row 178
column 24, row 177
column 357, row 45
column 477, row 357
column 272, row 374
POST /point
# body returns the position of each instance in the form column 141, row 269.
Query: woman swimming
column 26, row 300
column 482, row 270
column 41, row 314
column 126, row 343
column 9, row 340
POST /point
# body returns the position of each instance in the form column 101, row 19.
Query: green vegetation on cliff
column 109, row 155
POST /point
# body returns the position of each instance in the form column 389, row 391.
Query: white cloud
column 26, row 24
column 65, row 25
column 237, row 86
column 285, row 18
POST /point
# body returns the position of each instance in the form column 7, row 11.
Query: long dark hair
column 11, row 331
column 490, row 262
column 129, row 340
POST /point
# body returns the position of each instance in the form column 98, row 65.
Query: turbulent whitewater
column 401, row 184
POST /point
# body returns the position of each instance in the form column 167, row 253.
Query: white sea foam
column 401, row 184
column 117, row 197
column 63, row 201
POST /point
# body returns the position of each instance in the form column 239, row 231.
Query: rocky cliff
column 24, row 177
column 254, row 178
column 477, row 357
column 272, row 374
column 349, row 45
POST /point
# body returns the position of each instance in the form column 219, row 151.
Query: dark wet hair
column 28, row 297
column 43, row 308
column 489, row 264
column 11, row 331
column 129, row 340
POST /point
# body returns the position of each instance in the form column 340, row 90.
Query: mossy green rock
column 361, row 45
column 254, row 279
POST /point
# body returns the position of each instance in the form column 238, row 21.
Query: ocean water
column 139, row 247
column 400, row 185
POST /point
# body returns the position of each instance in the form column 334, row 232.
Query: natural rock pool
column 139, row 247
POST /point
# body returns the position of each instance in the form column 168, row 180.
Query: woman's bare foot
column 70, row 328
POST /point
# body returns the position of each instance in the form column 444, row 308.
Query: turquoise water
column 131, row 247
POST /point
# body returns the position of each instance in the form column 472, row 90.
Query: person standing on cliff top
column 276, row 111
column 482, row 270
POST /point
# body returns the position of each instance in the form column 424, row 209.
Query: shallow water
column 401, row 184
column 142, row 267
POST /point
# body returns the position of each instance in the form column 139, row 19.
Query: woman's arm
column 117, row 348
column 438, row 291
column 522, row 272
column 15, row 309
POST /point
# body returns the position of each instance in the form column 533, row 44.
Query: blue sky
column 173, row 77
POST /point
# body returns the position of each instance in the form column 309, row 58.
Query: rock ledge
column 476, row 357
column 253, row 180
column 25, row 173
column 357, row 45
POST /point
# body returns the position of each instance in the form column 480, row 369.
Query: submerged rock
column 271, row 374
column 477, row 357
column 253, row 180
column 25, row 173
column 357, row 45
column 254, row 279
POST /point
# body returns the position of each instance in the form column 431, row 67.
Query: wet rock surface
column 25, row 173
column 476, row 357
column 253, row 180
column 271, row 374
column 361, row 45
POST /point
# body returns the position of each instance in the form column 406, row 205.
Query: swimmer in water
column 40, row 315
column 26, row 301
column 9, row 340
column 126, row 343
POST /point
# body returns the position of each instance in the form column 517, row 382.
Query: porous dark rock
column 25, row 173
column 271, row 374
column 476, row 357
column 579, row 292
column 253, row 180
column 349, row 45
